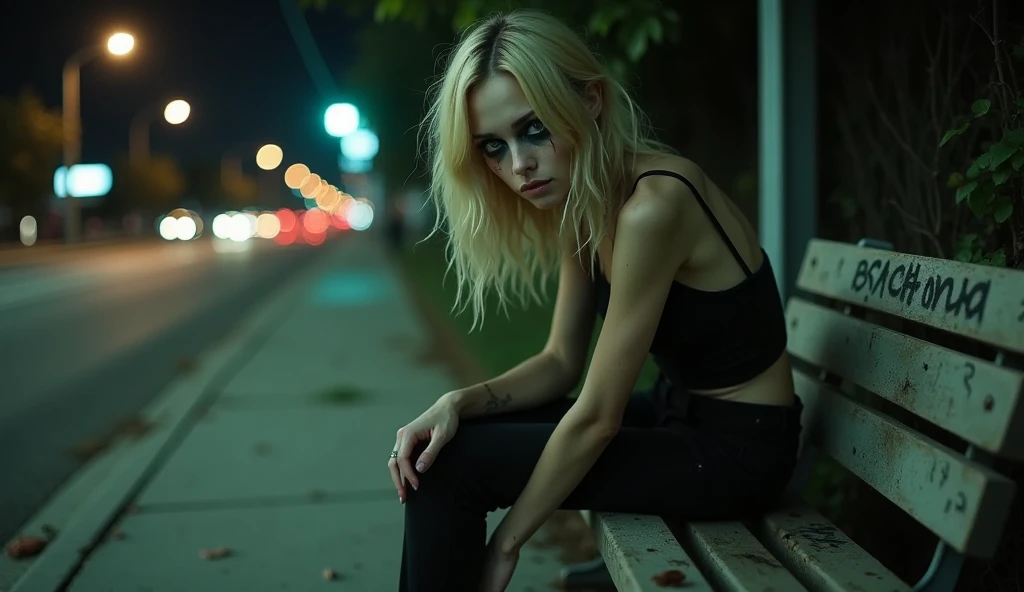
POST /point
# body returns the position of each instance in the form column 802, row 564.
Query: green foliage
column 632, row 26
column 397, row 56
column 152, row 184
column 993, row 184
column 971, row 248
column 31, row 138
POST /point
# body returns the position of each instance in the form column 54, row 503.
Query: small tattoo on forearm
column 494, row 402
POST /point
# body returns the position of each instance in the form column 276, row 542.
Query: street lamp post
column 175, row 112
column 118, row 44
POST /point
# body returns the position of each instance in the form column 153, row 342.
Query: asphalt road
column 88, row 340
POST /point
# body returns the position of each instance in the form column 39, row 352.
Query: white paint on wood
column 638, row 549
column 962, row 502
column 822, row 555
column 974, row 399
column 735, row 561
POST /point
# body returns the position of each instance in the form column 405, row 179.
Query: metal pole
column 72, row 144
column 71, row 119
column 788, row 131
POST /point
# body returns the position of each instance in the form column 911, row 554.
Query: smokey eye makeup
column 532, row 132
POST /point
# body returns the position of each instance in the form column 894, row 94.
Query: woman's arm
column 553, row 372
column 649, row 250
column 535, row 381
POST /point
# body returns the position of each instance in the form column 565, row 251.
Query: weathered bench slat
column 961, row 501
column 734, row 560
column 639, row 549
column 982, row 302
column 969, row 397
column 821, row 555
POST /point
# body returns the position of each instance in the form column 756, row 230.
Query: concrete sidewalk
column 281, row 458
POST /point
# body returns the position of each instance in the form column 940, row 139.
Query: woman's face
column 517, row 147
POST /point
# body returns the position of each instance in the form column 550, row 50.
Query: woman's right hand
column 436, row 425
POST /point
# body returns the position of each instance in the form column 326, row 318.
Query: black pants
column 679, row 455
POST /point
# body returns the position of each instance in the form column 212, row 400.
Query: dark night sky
column 233, row 60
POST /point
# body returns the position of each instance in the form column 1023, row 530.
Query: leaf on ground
column 26, row 546
column 262, row 449
column 341, row 395
column 90, row 447
column 215, row 553
column 185, row 364
column 133, row 427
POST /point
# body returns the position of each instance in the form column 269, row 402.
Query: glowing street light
column 341, row 119
column 269, row 157
column 295, row 175
column 119, row 44
column 361, row 144
column 175, row 113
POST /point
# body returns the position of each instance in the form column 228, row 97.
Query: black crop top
column 711, row 340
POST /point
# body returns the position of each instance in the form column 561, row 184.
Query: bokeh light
column 267, row 225
column 221, row 226
column 120, row 44
column 316, row 222
column 341, row 119
column 329, row 200
column 360, row 215
column 295, row 175
column 310, row 186
column 360, row 145
column 177, row 111
column 29, row 230
column 269, row 157
column 185, row 228
column 287, row 220
column 243, row 227
column 181, row 224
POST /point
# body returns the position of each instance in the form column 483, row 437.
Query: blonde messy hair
column 496, row 240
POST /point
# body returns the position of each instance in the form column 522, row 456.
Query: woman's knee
column 460, row 469
column 452, row 460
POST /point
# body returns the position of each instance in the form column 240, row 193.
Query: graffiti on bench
column 955, row 295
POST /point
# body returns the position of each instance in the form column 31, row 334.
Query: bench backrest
column 955, row 495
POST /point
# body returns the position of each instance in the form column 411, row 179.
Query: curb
column 130, row 467
column 12, row 256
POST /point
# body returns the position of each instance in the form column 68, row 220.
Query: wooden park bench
column 848, row 361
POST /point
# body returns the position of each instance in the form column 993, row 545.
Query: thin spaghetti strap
column 707, row 210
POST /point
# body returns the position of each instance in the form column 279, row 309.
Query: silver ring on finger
column 394, row 454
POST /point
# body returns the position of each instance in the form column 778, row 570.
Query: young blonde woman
column 542, row 162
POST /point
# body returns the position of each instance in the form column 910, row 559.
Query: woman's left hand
column 498, row 568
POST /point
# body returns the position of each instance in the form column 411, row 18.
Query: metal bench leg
column 591, row 574
column 943, row 572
